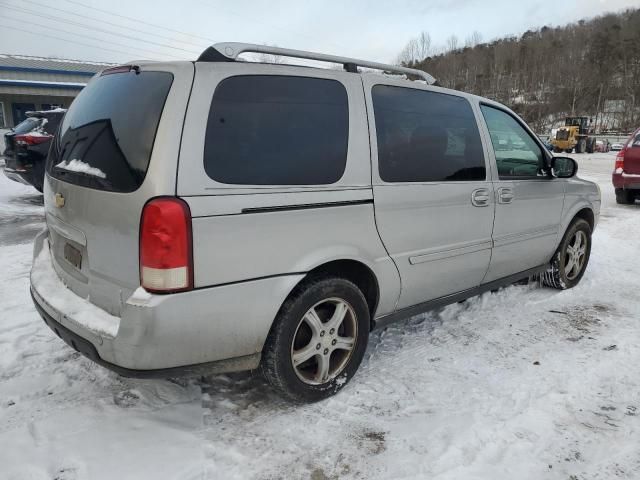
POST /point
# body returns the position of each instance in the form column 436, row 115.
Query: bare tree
column 423, row 46
column 472, row 40
column 452, row 43
column 416, row 50
column 409, row 53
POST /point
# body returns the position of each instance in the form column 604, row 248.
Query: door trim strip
column 305, row 206
column 524, row 236
column 452, row 252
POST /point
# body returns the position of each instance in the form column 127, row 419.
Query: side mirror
column 563, row 167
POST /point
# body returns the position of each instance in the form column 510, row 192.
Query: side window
column 426, row 136
column 636, row 141
column 277, row 130
column 2, row 114
column 517, row 154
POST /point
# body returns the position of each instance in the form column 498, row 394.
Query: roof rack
column 229, row 52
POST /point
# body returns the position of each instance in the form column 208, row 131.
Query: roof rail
column 229, row 51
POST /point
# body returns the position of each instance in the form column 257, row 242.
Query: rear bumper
column 211, row 330
column 626, row 181
column 87, row 349
column 24, row 177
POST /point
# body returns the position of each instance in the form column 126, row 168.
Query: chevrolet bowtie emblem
column 59, row 200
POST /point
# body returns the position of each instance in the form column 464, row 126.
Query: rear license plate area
column 73, row 256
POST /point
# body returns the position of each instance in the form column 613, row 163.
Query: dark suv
column 27, row 146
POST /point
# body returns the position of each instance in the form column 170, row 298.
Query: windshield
column 107, row 136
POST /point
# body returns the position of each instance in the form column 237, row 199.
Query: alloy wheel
column 575, row 255
column 324, row 341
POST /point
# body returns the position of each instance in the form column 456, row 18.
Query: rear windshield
column 26, row 125
column 107, row 135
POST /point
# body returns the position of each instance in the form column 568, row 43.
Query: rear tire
column 568, row 150
column 310, row 353
column 571, row 258
column 624, row 197
column 581, row 146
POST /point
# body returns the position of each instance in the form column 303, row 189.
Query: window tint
column 107, row 136
column 517, row 154
column 52, row 123
column 426, row 136
column 277, row 130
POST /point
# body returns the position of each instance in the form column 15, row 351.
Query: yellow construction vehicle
column 576, row 134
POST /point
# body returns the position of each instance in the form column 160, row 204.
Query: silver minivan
column 225, row 215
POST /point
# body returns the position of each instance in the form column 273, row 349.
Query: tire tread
column 269, row 364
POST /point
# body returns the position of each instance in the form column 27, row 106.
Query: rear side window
column 277, row 130
column 107, row 135
column 426, row 136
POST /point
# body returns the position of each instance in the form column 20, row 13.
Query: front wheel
column 571, row 258
column 317, row 340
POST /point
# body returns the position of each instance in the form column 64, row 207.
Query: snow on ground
column 524, row 383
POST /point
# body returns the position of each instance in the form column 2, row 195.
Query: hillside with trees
column 590, row 68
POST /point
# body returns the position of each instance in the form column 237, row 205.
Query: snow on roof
column 45, row 63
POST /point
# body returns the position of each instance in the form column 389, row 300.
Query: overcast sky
column 372, row 30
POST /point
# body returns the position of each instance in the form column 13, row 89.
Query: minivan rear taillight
column 166, row 259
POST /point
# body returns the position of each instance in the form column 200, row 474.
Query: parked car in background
column 626, row 172
column 225, row 215
column 616, row 147
column 27, row 145
column 603, row 146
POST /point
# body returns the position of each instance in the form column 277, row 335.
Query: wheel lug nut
column 326, row 350
column 334, row 342
column 322, row 333
column 318, row 347
column 331, row 331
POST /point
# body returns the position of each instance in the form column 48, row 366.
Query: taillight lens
column 619, row 165
column 27, row 139
column 166, row 260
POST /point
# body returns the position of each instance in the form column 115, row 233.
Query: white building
column 35, row 83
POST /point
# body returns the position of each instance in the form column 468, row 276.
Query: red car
column 626, row 173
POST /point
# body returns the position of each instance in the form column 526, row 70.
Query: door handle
column 505, row 195
column 480, row 197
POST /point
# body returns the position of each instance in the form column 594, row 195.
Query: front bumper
column 211, row 330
